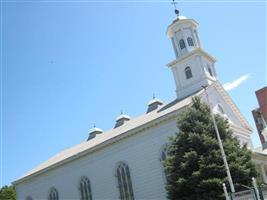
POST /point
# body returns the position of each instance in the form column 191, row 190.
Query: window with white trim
column 190, row 41
column 124, row 182
column 85, row 189
column 188, row 73
column 163, row 157
column 181, row 44
column 53, row 194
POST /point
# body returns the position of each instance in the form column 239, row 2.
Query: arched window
column 29, row 198
column 53, row 194
column 124, row 182
column 182, row 44
column 188, row 73
column 85, row 189
column 163, row 157
column 190, row 41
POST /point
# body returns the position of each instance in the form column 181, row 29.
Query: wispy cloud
column 235, row 83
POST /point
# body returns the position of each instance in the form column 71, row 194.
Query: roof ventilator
column 121, row 119
column 93, row 132
column 153, row 104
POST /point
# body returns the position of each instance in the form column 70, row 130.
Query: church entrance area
column 250, row 194
column 244, row 195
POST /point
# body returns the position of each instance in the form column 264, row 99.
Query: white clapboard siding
column 141, row 152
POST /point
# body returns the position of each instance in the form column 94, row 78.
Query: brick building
column 260, row 115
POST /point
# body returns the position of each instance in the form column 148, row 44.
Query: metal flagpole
column 220, row 144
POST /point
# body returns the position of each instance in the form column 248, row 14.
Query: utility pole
column 220, row 144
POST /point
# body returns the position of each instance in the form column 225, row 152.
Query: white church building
column 125, row 162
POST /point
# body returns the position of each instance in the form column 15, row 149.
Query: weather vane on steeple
column 176, row 11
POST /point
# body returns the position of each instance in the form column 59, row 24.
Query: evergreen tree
column 194, row 167
column 8, row 193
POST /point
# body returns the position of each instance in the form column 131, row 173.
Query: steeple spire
column 176, row 11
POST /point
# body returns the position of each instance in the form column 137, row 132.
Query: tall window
column 163, row 157
column 124, row 182
column 85, row 189
column 260, row 122
column 188, row 73
column 190, row 41
column 182, row 44
column 53, row 194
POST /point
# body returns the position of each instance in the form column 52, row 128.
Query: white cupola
column 153, row 104
column 184, row 36
column 193, row 67
column 121, row 119
column 93, row 132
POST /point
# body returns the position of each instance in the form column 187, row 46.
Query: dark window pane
column 190, row 41
column 188, row 72
column 85, row 188
column 182, row 44
column 124, row 182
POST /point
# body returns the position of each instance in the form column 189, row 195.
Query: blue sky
column 68, row 65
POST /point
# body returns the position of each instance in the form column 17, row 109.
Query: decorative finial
column 121, row 112
column 176, row 11
column 94, row 125
column 154, row 96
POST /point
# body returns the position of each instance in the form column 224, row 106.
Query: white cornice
column 178, row 24
column 230, row 102
column 241, row 129
column 246, row 127
column 190, row 54
column 259, row 157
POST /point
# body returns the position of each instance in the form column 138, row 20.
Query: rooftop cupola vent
column 121, row 119
column 93, row 132
column 153, row 104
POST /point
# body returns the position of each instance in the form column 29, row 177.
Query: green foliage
column 194, row 167
column 8, row 193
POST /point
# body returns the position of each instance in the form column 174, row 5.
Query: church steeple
column 184, row 36
column 193, row 67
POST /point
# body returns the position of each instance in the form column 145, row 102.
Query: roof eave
column 112, row 140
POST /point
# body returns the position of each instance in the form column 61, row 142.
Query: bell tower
column 193, row 67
